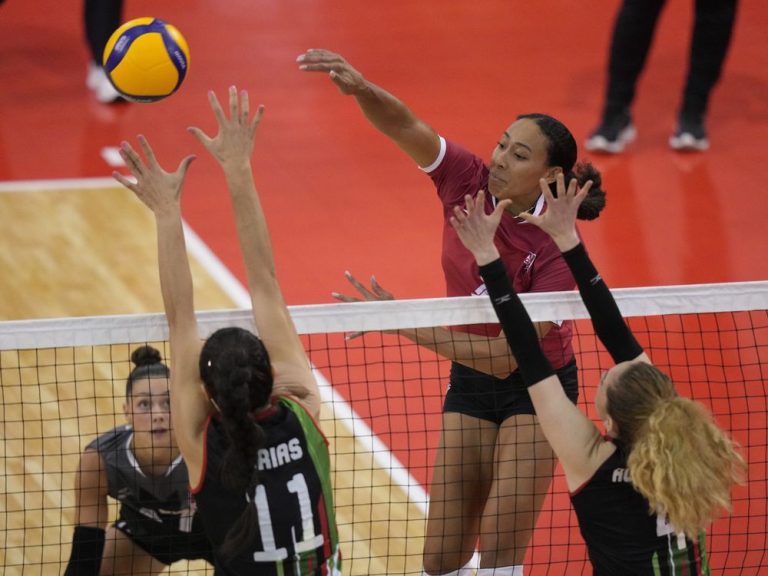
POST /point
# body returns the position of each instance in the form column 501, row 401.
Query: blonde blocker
column 679, row 459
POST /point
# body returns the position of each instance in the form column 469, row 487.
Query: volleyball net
column 62, row 383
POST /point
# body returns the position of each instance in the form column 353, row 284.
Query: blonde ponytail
column 684, row 464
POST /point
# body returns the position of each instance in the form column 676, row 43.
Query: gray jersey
column 158, row 512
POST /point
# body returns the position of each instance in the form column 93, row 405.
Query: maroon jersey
column 532, row 259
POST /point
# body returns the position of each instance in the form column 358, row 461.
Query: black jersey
column 622, row 538
column 296, row 533
column 157, row 512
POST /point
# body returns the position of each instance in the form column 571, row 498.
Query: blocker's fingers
column 148, row 152
column 257, row 116
column 573, row 188
column 204, row 139
column 560, row 180
column 501, row 206
column 245, row 106
column 233, row 114
column 546, row 190
column 216, row 107
column 131, row 159
column 130, row 184
column 586, row 188
column 459, row 215
column 184, row 165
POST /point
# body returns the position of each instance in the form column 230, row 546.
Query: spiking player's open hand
column 346, row 78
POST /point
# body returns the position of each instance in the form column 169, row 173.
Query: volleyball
column 146, row 59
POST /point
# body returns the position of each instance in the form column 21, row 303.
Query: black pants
column 631, row 41
column 101, row 18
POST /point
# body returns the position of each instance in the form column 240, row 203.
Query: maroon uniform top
column 532, row 259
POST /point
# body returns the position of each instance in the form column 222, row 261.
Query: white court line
column 65, row 184
column 342, row 410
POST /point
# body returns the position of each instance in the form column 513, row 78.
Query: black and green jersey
column 296, row 533
column 622, row 538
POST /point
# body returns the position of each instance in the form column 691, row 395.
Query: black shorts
column 163, row 543
column 483, row 396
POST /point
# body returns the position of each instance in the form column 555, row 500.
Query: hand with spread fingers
column 559, row 219
column 476, row 229
column 158, row 189
column 376, row 292
column 237, row 133
column 348, row 80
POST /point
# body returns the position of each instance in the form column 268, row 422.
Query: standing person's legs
column 633, row 32
column 631, row 41
column 713, row 28
column 462, row 475
column 524, row 466
column 101, row 18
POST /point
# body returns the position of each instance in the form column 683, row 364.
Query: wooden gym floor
column 337, row 195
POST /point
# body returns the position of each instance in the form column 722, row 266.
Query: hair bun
column 146, row 355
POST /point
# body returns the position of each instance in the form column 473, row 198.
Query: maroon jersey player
column 488, row 420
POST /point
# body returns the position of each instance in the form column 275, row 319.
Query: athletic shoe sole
column 599, row 143
column 687, row 142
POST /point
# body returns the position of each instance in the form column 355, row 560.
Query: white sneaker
column 97, row 82
column 613, row 135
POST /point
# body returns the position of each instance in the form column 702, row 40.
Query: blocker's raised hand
column 559, row 219
column 237, row 132
column 476, row 229
column 158, row 189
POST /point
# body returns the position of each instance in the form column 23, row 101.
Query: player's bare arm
column 161, row 192
column 388, row 114
column 232, row 147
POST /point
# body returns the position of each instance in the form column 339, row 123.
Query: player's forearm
column 175, row 273
column 517, row 325
column 487, row 355
column 251, row 224
column 607, row 321
column 395, row 120
column 388, row 114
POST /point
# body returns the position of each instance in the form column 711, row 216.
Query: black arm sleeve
column 87, row 549
column 606, row 318
column 518, row 328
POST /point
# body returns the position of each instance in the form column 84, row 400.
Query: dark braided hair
column 562, row 151
column 237, row 373
column 147, row 364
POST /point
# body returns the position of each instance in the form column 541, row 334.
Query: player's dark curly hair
column 237, row 373
column 148, row 363
column 562, row 151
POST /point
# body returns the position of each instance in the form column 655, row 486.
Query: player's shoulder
column 111, row 439
column 454, row 158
